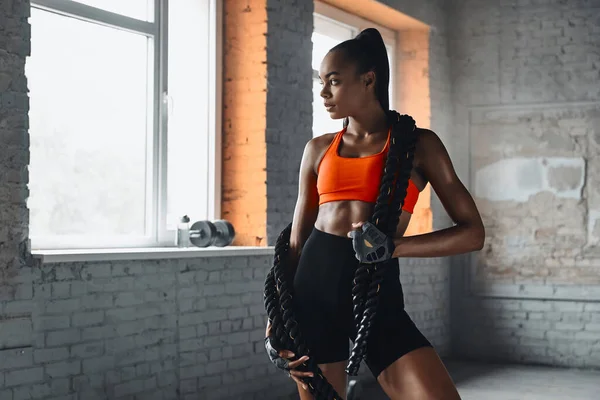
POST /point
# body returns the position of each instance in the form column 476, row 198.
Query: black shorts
column 322, row 303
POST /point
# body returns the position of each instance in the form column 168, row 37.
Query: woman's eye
column 331, row 82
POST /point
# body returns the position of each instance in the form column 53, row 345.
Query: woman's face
column 344, row 91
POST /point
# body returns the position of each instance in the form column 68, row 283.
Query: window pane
column 187, row 176
column 88, row 127
column 321, row 45
column 139, row 9
column 327, row 33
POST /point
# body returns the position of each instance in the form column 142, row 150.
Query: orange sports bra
column 359, row 178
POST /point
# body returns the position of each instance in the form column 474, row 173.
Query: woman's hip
column 326, row 272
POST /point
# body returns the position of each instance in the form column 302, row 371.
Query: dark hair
column 368, row 52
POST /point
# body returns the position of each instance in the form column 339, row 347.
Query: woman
column 339, row 182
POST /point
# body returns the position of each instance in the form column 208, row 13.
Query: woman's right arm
column 307, row 207
column 307, row 204
column 305, row 215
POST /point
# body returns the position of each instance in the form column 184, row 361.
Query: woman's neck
column 370, row 121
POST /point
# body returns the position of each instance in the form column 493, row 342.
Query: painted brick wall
column 149, row 330
column 169, row 329
column 525, row 94
column 289, row 105
column 15, row 276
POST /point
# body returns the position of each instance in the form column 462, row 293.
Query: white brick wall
column 426, row 288
column 525, row 84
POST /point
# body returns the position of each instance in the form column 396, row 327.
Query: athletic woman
column 339, row 184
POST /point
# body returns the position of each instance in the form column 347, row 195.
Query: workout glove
column 270, row 345
column 371, row 245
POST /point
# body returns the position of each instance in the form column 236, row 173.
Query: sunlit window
column 119, row 121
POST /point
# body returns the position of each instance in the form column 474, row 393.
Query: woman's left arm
column 468, row 232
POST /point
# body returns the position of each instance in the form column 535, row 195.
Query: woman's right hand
column 281, row 359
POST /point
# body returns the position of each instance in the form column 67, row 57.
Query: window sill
column 147, row 253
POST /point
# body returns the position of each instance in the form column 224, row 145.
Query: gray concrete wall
column 525, row 93
column 171, row 329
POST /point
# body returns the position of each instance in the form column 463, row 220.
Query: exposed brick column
column 289, row 105
column 15, row 276
column 412, row 88
column 244, row 197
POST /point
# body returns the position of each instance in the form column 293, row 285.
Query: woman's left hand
column 355, row 226
column 370, row 244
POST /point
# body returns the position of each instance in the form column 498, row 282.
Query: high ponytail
column 367, row 50
column 371, row 40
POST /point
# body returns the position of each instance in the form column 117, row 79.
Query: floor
column 511, row 382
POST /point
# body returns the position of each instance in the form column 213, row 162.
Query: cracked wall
column 525, row 93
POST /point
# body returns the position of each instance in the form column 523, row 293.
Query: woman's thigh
column 419, row 374
column 335, row 373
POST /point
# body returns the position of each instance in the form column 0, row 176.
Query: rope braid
column 386, row 214
column 278, row 303
column 278, row 290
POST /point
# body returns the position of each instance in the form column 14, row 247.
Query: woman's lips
column 328, row 107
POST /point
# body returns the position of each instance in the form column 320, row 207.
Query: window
column 331, row 27
column 122, row 120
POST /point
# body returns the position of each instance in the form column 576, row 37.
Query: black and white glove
column 371, row 245
column 271, row 345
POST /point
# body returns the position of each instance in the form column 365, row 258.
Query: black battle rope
column 386, row 214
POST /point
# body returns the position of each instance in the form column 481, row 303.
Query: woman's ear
column 369, row 79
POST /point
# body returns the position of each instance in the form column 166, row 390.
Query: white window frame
column 324, row 15
column 158, row 109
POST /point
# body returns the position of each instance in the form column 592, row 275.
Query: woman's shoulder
column 324, row 139
column 316, row 147
column 425, row 134
column 320, row 143
column 429, row 146
column 427, row 139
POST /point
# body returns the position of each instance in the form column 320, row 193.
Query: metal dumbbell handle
column 197, row 233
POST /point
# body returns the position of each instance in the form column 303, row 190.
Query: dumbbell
column 219, row 233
